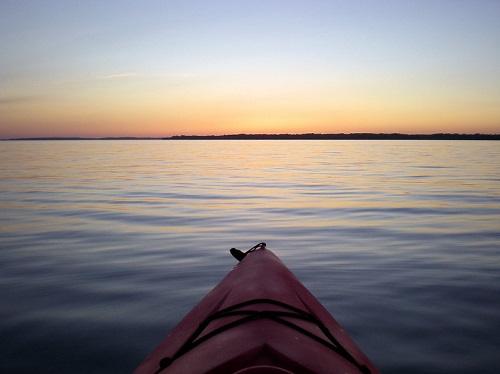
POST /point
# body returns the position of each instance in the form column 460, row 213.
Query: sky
column 162, row 68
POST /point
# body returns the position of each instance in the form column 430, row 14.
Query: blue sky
column 157, row 68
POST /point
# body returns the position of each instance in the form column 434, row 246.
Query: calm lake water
column 106, row 245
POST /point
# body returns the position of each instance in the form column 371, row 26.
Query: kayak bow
column 258, row 319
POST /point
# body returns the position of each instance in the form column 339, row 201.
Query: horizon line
column 286, row 136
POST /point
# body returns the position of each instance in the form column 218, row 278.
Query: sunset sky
column 162, row 68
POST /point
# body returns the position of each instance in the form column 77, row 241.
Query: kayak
column 258, row 319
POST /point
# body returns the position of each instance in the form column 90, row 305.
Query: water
column 105, row 245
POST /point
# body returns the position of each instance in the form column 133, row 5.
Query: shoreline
column 309, row 136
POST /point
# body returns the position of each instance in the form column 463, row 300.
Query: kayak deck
column 258, row 319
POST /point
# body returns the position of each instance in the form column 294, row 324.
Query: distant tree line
column 341, row 136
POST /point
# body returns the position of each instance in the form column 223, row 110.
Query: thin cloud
column 114, row 76
column 131, row 75
column 9, row 100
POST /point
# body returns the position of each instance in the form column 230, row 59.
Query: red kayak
column 258, row 319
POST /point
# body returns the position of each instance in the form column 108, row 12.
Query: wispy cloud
column 131, row 75
column 114, row 76
column 9, row 100
column 151, row 75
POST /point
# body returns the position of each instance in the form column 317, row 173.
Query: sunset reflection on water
column 112, row 242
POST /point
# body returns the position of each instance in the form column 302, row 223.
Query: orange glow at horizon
column 331, row 67
column 119, row 111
